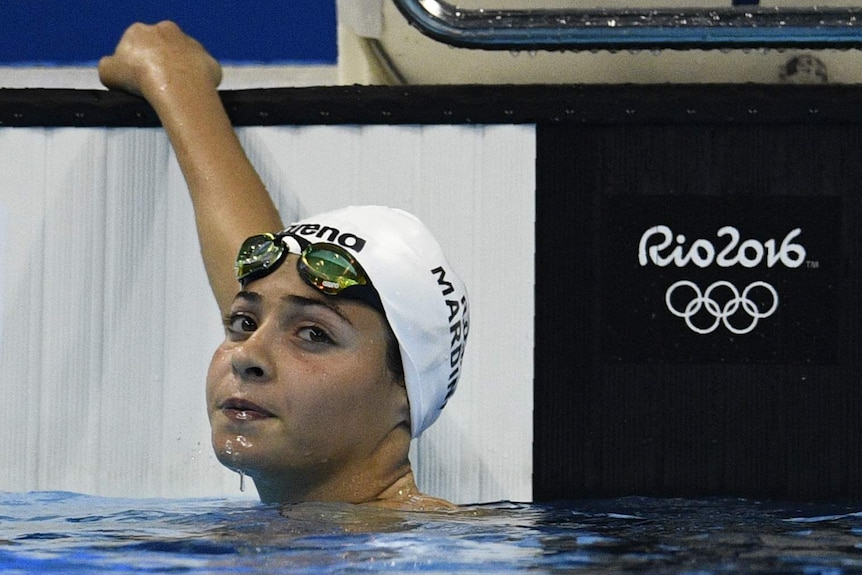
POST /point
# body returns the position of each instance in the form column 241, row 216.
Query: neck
column 359, row 487
column 405, row 496
column 401, row 495
column 383, row 475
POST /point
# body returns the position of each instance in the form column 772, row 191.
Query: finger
column 104, row 69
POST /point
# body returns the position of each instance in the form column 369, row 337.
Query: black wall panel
column 698, row 310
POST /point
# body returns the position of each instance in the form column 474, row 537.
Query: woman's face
column 300, row 391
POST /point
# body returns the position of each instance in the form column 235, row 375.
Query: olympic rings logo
column 722, row 309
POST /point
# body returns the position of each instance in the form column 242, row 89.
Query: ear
column 405, row 402
column 399, row 402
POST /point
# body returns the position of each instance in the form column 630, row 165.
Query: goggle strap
column 295, row 245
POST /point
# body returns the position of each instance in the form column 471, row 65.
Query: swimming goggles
column 324, row 266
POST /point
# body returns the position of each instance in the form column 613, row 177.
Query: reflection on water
column 56, row 532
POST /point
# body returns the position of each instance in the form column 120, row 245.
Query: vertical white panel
column 98, row 248
column 4, row 241
column 108, row 322
column 483, row 444
column 21, row 193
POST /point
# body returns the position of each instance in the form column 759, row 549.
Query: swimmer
column 344, row 332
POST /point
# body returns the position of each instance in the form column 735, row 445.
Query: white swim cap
column 424, row 301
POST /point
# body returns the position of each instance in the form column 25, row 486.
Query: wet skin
column 300, row 396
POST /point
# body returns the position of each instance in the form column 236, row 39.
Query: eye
column 239, row 323
column 315, row 334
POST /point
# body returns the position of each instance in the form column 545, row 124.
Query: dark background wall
column 54, row 32
column 757, row 396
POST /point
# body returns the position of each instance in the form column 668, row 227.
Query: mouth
column 243, row 410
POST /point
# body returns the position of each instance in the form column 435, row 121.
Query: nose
column 250, row 360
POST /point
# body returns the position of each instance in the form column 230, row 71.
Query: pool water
column 59, row 532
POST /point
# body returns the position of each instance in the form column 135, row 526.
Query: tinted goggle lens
column 330, row 268
column 258, row 256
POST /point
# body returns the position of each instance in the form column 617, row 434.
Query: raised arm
column 179, row 79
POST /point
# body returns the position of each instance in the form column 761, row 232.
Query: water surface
column 58, row 532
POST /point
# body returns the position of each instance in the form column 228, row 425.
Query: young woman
column 344, row 332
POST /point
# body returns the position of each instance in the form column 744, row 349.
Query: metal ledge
column 737, row 27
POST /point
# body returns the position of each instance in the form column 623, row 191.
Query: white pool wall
column 108, row 323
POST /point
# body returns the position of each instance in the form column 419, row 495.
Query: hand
column 150, row 60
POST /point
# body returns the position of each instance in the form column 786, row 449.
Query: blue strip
column 248, row 31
